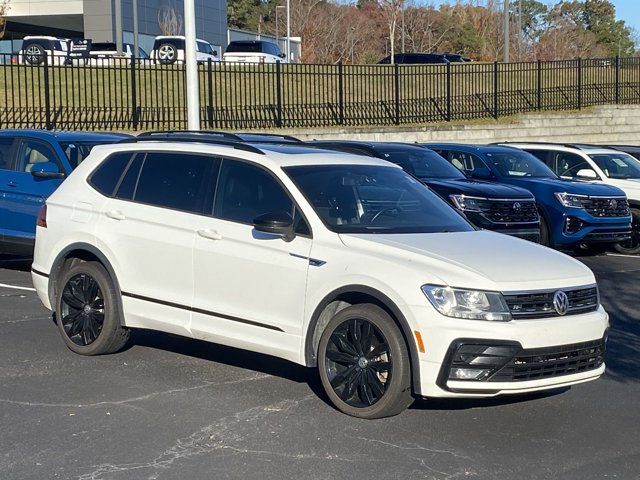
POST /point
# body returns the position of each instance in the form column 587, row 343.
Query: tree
column 4, row 9
column 169, row 21
column 392, row 9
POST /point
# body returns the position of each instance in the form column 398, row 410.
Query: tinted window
column 244, row 47
column 106, row 177
column 32, row 153
column 374, row 199
column 129, row 182
column 518, row 164
column 568, row 164
column 176, row 42
column 543, row 156
column 467, row 162
column 5, row 153
column 618, row 165
column 420, row 162
column 245, row 192
column 76, row 152
column 204, row 47
column 176, row 181
column 270, row 48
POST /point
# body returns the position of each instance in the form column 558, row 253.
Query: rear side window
column 127, row 187
column 542, row 155
column 176, row 181
column 105, row 178
column 5, row 153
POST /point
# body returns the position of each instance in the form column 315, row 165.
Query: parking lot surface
column 174, row 408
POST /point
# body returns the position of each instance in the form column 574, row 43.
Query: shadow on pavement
column 9, row 262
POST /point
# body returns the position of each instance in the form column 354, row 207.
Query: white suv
column 36, row 49
column 168, row 50
column 329, row 260
column 596, row 163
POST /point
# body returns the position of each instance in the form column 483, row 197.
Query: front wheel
column 364, row 363
column 545, row 237
column 631, row 246
column 87, row 311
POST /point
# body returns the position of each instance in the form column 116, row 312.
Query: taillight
column 42, row 217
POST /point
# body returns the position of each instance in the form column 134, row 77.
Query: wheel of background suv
column 87, row 311
column 364, row 363
column 544, row 231
column 167, row 54
column 34, row 55
column 631, row 247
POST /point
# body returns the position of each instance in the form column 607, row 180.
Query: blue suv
column 33, row 163
column 571, row 212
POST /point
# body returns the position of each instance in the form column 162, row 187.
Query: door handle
column 115, row 214
column 12, row 184
column 209, row 234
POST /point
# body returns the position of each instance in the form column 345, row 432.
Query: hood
column 476, row 188
column 479, row 259
column 572, row 186
column 631, row 187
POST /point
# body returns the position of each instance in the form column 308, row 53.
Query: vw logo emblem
column 517, row 206
column 561, row 302
column 613, row 203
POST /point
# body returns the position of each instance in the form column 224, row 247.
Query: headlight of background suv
column 468, row 204
column 572, row 200
column 470, row 304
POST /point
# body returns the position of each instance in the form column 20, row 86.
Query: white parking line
column 16, row 287
column 622, row 255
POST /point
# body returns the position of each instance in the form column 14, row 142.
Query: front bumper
column 439, row 333
column 581, row 227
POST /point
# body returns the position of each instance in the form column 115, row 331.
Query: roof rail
column 227, row 135
column 578, row 146
column 190, row 138
column 289, row 138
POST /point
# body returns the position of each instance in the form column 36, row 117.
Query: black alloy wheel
column 358, row 363
column 631, row 246
column 82, row 313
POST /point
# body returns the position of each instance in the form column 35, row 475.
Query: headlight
column 471, row 304
column 468, row 204
column 572, row 200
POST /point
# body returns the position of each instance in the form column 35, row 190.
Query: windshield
column 76, row 152
column 374, row 199
column 244, row 47
column 617, row 165
column 519, row 164
column 421, row 163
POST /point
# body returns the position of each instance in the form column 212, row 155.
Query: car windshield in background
column 617, row 165
column 76, row 152
column 374, row 199
column 421, row 163
column 519, row 164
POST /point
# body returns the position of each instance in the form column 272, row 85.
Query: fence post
column 617, row 79
column 495, row 90
column 278, row 94
column 134, row 95
column 340, row 95
column 47, row 99
column 579, row 83
column 396, row 83
column 448, row 92
column 210, row 92
column 539, row 86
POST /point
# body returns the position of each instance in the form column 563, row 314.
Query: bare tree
column 392, row 9
column 169, row 21
column 4, row 9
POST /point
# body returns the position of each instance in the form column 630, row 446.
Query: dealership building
column 95, row 20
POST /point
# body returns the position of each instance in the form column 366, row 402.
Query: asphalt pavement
column 173, row 408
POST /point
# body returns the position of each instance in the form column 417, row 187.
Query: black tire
column 631, row 247
column 34, row 54
column 545, row 238
column 167, row 54
column 370, row 376
column 87, row 310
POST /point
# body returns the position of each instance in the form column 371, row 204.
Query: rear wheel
column 34, row 55
column 364, row 363
column 87, row 311
column 544, row 232
column 632, row 246
column 167, row 54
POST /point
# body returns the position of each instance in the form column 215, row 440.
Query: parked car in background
column 341, row 263
column 599, row 164
column 35, row 48
column 633, row 150
column 254, row 51
column 104, row 54
column 415, row 58
column 456, row 58
column 33, row 164
column 501, row 208
column 168, row 50
column 572, row 212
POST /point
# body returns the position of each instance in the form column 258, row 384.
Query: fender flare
column 310, row 354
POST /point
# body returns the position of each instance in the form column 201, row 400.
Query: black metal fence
column 140, row 95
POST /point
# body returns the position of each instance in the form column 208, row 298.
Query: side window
column 545, row 156
column 105, row 178
column 245, row 192
column 175, row 180
column 5, row 153
column 30, row 153
column 127, row 187
column 568, row 164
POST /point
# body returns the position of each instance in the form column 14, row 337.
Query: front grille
column 548, row 362
column 509, row 211
column 607, row 206
column 540, row 304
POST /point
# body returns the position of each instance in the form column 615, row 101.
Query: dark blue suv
column 33, row 163
column 572, row 212
column 501, row 208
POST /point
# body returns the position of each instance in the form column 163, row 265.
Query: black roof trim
column 191, row 138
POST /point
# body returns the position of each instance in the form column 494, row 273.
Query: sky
column 627, row 10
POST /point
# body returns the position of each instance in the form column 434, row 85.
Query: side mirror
column 587, row 174
column 275, row 223
column 46, row 170
column 283, row 55
column 215, row 53
column 481, row 174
